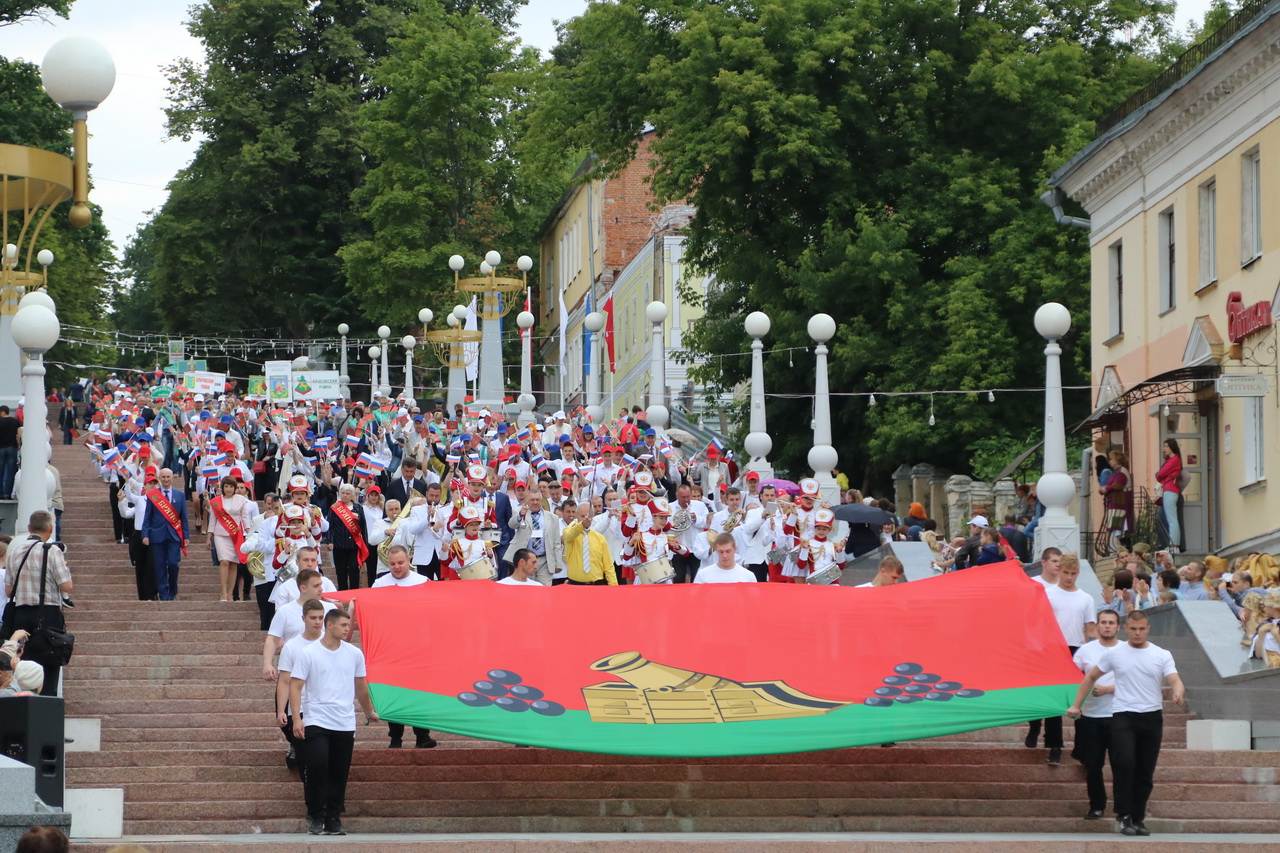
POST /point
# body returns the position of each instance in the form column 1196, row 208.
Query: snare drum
column 655, row 571
column 491, row 534
column 829, row 575
column 479, row 570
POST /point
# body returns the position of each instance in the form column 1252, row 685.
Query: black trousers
column 396, row 731
column 1093, row 741
column 430, row 570
column 243, row 579
column 327, row 754
column 601, row 582
column 26, row 617
column 1052, row 725
column 117, row 521
column 1135, row 748
column 143, row 575
column 761, row 571
column 266, row 610
column 346, row 564
column 686, row 566
column 371, row 566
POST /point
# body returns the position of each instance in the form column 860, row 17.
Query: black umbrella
column 861, row 514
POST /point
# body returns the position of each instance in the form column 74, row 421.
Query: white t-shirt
column 1087, row 657
column 1073, row 610
column 288, row 623
column 329, row 692
column 1047, row 584
column 287, row 591
column 388, row 579
column 1140, row 675
column 289, row 654
column 511, row 581
column 715, row 574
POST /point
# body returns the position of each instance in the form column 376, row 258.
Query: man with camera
column 36, row 579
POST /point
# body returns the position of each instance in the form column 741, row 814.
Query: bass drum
column 479, row 570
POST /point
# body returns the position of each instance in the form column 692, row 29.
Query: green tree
column 879, row 160
column 453, row 172
column 16, row 11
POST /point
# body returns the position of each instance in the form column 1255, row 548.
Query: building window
column 1253, row 447
column 1208, row 233
column 1251, row 207
column 1115, row 288
column 1165, row 241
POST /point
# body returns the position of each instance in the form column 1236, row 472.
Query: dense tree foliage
column 879, row 160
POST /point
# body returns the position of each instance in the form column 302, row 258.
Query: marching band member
column 818, row 552
column 468, row 548
column 771, row 537
column 645, row 546
column 743, row 525
column 474, row 497
column 608, row 523
column 799, row 524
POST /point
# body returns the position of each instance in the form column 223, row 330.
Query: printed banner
column 257, row 388
column 279, row 376
column 204, row 382
column 716, row 669
column 316, row 385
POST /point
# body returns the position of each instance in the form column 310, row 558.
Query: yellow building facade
column 1183, row 197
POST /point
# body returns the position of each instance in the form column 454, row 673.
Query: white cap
column 824, row 516
column 979, row 521
column 469, row 514
column 809, row 488
column 477, row 473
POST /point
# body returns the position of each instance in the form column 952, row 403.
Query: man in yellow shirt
column 586, row 551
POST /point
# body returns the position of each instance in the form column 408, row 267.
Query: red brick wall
column 627, row 212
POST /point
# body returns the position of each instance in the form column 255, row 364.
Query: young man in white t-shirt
column 1137, row 720
column 403, row 575
column 726, row 568
column 332, row 671
column 313, row 626
column 1093, row 729
column 524, row 567
column 1050, row 566
column 288, row 623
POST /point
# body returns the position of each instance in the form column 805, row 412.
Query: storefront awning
column 1180, row 382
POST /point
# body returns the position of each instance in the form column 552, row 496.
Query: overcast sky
column 132, row 158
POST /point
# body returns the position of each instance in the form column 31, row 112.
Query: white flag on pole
column 471, row 352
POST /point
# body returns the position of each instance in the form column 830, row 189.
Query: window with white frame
column 1208, row 233
column 1251, row 206
column 1166, row 246
column 1115, row 289
column 1254, row 469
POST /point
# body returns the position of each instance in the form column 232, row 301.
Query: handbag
column 260, row 467
column 48, row 645
column 6, row 621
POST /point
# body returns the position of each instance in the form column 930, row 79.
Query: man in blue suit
column 165, row 543
column 502, row 511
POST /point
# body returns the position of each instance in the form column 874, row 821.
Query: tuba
column 385, row 545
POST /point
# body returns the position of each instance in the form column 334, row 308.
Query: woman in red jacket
column 1118, row 497
column 1168, row 477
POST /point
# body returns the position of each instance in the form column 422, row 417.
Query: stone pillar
column 1006, row 499
column 937, row 505
column 958, row 504
column 921, row 490
column 903, row 494
column 981, row 500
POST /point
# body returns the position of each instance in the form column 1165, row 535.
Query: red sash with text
column 162, row 505
column 229, row 524
column 348, row 519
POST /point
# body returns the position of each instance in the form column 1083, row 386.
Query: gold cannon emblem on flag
column 657, row 693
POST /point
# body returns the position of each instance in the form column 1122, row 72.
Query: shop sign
column 1243, row 320
column 1242, row 385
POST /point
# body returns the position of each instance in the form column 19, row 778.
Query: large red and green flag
column 716, row 669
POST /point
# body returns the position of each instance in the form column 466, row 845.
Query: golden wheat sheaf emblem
column 656, row 693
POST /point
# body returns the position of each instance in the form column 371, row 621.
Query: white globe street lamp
column 758, row 443
column 657, row 415
column 384, row 332
column 594, row 323
column 526, row 401
column 1055, row 488
column 374, row 352
column 35, row 330
column 78, row 74
column 344, row 378
column 408, row 343
column 822, row 456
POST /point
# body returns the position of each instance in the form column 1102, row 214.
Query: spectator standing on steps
column 333, row 673
column 403, row 575
column 9, row 428
column 36, row 579
column 1141, row 670
column 1093, row 728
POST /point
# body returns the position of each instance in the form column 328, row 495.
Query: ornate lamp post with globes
column 657, row 415
column 374, row 352
column 450, row 346
column 822, row 456
column 78, row 74
column 594, row 322
column 494, row 292
column 408, row 343
column 384, row 332
column 343, row 377
column 1055, row 488
column 758, row 443
column 526, row 401
column 35, row 331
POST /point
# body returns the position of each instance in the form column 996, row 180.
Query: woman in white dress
column 226, row 512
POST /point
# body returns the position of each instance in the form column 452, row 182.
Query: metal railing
column 1194, row 55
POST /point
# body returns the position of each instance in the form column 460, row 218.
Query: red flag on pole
column 608, row 332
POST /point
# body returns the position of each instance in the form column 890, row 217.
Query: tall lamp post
column 594, row 322
column 1055, row 488
column 451, row 347
column 425, row 316
column 493, row 292
column 35, row 331
column 374, row 352
column 78, row 74
column 758, row 443
column 526, row 401
column 656, row 313
column 408, row 343
column 822, row 456
column 343, row 378
column 384, row 332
